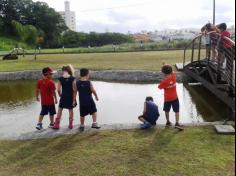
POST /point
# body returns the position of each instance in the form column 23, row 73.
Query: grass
column 99, row 61
column 194, row 152
column 8, row 43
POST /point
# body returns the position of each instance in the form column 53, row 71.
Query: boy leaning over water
column 47, row 90
column 170, row 95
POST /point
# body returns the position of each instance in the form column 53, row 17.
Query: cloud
column 137, row 15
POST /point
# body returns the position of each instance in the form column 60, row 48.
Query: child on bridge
column 67, row 91
column 150, row 114
column 47, row 90
column 87, row 104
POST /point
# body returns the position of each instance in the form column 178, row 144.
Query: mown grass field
column 194, row 152
column 98, row 61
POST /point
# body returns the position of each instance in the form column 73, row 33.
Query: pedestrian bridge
column 217, row 74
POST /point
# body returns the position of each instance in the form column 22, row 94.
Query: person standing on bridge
column 210, row 31
column 225, row 47
column 170, row 94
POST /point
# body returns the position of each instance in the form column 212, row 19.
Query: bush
column 26, row 33
column 31, row 34
column 18, row 30
column 1, row 25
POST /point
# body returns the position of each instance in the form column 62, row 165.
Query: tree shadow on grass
column 159, row 141
column 36, row 152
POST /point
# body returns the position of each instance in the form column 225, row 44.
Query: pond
column 119, row 103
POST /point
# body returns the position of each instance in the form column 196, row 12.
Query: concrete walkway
column 50, row 133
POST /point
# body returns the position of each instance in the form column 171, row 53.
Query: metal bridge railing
column 219, row 55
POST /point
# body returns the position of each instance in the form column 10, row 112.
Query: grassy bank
column 194, row 152
column 99, row 61
column 8, row 43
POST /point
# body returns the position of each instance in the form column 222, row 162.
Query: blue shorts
column 51, row 110
column 148, row 119
column 174, row 104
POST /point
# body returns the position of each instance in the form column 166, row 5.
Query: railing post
column 199, row 49
column 184, row 58
column 193, row 49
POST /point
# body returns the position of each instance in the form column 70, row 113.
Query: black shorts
column 51, row 110
column 174, row 104
column 87, row 110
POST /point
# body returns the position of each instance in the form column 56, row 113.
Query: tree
column 18, row 30
column 38, row 14
column 1, row 25
column 32, row 34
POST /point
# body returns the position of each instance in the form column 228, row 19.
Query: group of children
column 68, row 88
column 217, row 47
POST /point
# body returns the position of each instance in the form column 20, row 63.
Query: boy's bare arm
column 145, row 108
column 55, row 97
column 59, row 89
column 94, row 92
column 37, row 94
column 74, row 92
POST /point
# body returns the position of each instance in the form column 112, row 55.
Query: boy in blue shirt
column 150, row 114
column 87, row 104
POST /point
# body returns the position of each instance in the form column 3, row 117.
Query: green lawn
column 97, row 61
column 194, row 152
column 7, row 43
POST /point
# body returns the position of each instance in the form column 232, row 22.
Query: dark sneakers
column 51, row 125
column 146, row 125
column 168, row 124
column 95, row 126
column 179, row 127
column 39, row 126
column 81, row 128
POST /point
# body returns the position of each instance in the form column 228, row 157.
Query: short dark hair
column 149, row 99
column 45, row 71
column 167, row 69
column 223, row 26
column 84, row 72
column 208, row 26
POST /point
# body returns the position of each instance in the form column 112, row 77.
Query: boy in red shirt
column 171, row 97
column 47, row 90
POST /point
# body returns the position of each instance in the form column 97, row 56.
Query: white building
column 69, row 17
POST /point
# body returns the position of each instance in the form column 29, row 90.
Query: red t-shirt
column 169, row 86
column 47, row 88
column 227, row 44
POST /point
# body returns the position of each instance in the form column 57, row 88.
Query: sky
column 149, row 15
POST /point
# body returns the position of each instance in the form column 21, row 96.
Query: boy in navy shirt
column 150, row 114
column 87, row 104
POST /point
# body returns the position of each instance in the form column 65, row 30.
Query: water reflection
column 16, row 93
column 206, row 103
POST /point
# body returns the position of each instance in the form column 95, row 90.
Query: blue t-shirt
column 152, row 112
column 85, row 93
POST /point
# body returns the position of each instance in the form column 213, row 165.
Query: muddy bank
column 116, row 76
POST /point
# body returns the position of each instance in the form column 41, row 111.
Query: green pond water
column 119, row 104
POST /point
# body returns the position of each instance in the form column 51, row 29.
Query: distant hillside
column 8, row 43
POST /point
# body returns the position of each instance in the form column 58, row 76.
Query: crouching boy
column 150, row 114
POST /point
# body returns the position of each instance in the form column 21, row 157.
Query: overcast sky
column 138, row 15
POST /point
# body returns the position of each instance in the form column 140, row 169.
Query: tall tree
column 38, row 14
